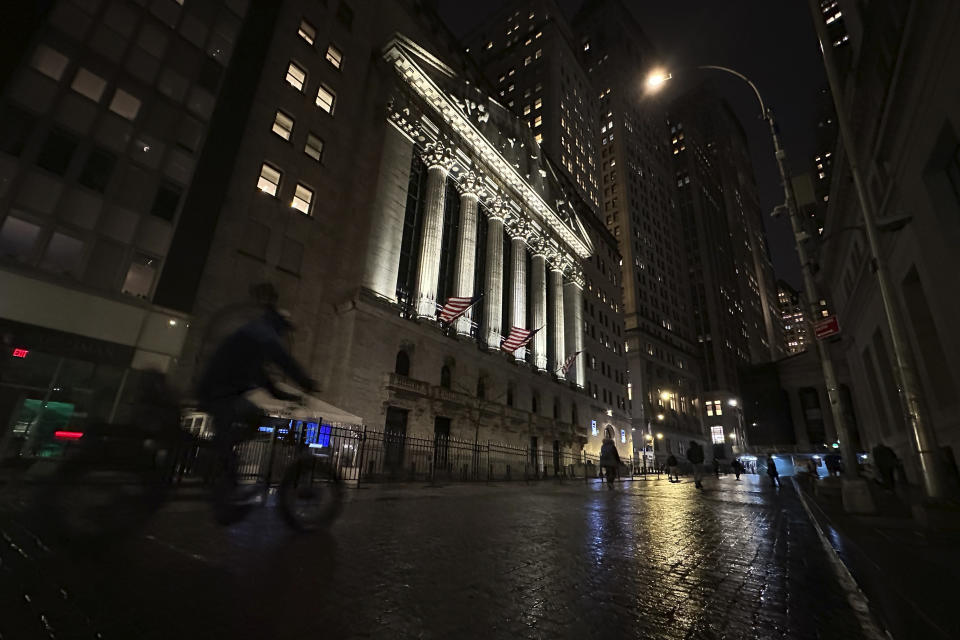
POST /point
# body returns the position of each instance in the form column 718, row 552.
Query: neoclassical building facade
column 465, row 205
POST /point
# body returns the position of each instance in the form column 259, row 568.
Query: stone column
column 466, row 247
column 538, row 284
column 518, row 280
column 389, row 209
column 439, row 160
column 493, row 278
column 573, row 323
column 556, row 314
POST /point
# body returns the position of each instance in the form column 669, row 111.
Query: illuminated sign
column 593, row 427
column 20, row 353
column 623, row 435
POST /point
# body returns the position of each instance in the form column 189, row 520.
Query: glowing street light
column 660, row 417
column 732, row 402
column 656, row 79
column 659, row 436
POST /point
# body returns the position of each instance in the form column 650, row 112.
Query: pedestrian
column 716, row 467
column 737, row 467
column 609, row 459
column 832, row 463
column 886, row 462
column 772, row 471
column 672, row 468
column 695, row 456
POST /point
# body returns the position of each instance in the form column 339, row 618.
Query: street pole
column 813, row 298
column 924, row 437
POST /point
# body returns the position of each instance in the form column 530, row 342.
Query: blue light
column 265, row 429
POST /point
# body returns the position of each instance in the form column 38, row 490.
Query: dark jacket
column 671, row 461
column 695, row 453
column 609, row 456
column 240, row 362
column 772, row 468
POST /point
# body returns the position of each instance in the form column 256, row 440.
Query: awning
column 310, row 408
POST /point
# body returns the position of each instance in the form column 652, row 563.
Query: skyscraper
column 794, row 318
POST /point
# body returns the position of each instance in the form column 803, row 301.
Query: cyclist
column 238, row 365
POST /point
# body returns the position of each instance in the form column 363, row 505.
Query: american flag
column 569, row 362
column 456, row 306
column 517, row 338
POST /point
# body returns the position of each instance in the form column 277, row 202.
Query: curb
column 855, row 596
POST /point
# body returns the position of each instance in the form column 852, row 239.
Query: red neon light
column 68, row 435
column 20, row 353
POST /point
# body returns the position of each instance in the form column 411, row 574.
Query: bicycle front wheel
column 310, row 494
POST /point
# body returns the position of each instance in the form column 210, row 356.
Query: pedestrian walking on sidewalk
column 772, row 471
column 737, row 467
column 716, row 467
column 886, row 462
column 609, row 460
column 695, row 456
column 672, row 469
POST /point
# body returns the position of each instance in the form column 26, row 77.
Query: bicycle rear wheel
column 310, row 494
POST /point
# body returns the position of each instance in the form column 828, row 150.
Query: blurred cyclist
column 239, row 365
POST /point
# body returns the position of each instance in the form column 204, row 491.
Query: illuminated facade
column 794, row 318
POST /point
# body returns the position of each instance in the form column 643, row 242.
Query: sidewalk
column 908, row 573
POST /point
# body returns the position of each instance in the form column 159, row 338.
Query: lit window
column 124, row 104
column 88, row 84
column 489, row 45
column 49, row 62
column 538, row 103
column 539, row 138
column 334, row 56
column 526, row 110
column 538, row 54
column 140, row 276
column 282, row 125
column 314, row 147
column 326, row 98
column 296, row 76
column 307, row 32
column 302, row 199
column 269, row 179
column 538, row 121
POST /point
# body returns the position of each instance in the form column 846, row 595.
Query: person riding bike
column 239, row 365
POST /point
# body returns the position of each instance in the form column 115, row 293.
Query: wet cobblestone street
column 649, row 560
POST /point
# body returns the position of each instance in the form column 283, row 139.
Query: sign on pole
column 829, row 326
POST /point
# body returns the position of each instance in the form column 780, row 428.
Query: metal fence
column 360, row 455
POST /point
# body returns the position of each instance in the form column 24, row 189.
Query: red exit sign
column 20, row 353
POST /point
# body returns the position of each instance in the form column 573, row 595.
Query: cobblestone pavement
column 650, row 559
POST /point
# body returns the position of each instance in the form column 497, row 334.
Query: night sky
column 772, row 43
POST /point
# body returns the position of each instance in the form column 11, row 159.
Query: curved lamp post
column 856, row 493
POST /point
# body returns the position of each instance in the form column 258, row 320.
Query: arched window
column 445, row 377
column 402, row 366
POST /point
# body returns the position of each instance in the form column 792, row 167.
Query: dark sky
column 771, row 42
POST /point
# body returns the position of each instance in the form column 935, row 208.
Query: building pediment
column 487, row 139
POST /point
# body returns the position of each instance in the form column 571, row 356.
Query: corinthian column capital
column 575, row 276
column 539, row 245
column 498, row 209
column 471, row 184
column 517, row 228
column 437, row 155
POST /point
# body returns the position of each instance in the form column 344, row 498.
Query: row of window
column 283, row 127
column 269, row 183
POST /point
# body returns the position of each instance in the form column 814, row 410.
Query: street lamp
column 660, row 417
column 855, row 490
column 924, row 437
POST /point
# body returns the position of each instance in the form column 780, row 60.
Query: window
column 402, row 364
column 314, row 147
column 97, row 170
column 302, row 199
column 291, row 256
column 716, row 434
column 269, row 179
column 345, row 15
column 140, row 276
column 537, row 121
column 255, row 239
column 445, row 377
column 326, row 99
column 17, row 238
column 307, row 31
column 88, row 84
column 538, row 54
column 334, row 56
column 57, row 151
column 166, row 201
column 63, row 254
column 296, row 76
column 124, row 104
column 49, row 62
column 15, row 127
column 538, row 103
column 282, row 125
